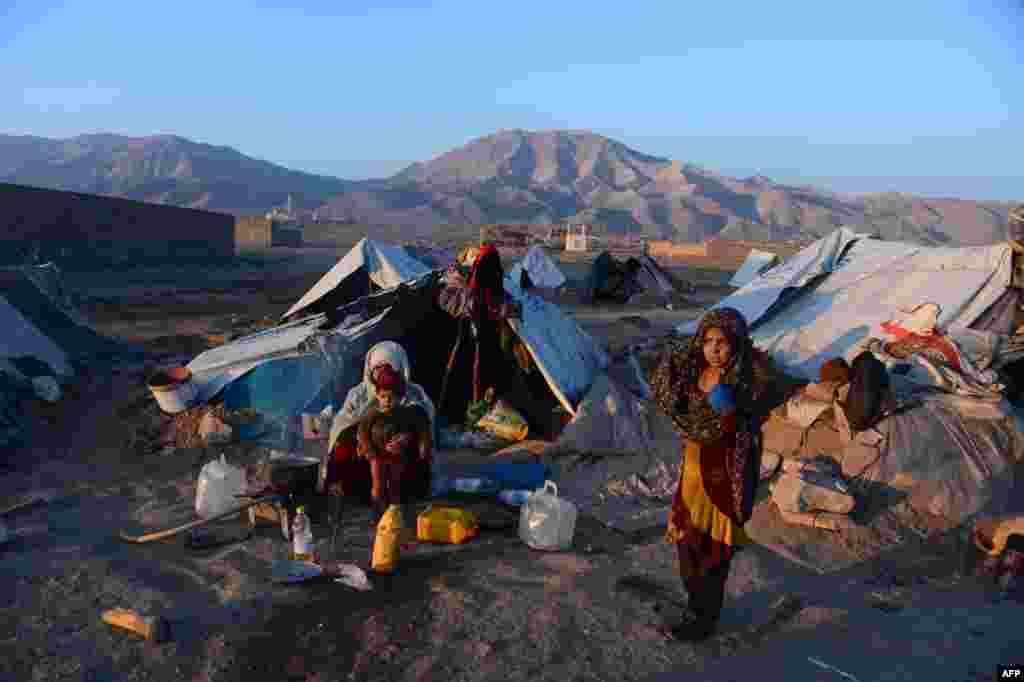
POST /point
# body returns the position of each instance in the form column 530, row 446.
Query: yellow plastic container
column 388, row 544
column 448, row 525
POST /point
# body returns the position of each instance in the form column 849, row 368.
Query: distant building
column 255, row 233
column 71, row 227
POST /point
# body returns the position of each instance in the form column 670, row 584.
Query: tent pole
column 451, row 364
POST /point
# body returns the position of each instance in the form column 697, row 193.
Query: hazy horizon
column 916, row 97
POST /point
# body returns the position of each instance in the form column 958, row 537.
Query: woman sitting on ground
column 391, row 435
column 715, row 389
column 346, row 473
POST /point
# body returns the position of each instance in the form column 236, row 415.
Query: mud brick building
column 72, row 228
column 254, row 233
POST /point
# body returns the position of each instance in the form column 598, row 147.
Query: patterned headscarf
column 676, row 387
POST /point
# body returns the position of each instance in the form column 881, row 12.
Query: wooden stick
column 28, row 502
column 153, row 628
column 170, row 532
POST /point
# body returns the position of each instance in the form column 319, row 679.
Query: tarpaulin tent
column 566, row 357
column 370, row 266
column 945, row 454
column 432, row 256
column 756, row 263
column 38, row 326
column 829, row 298
column 542, row 271
column 619, row 282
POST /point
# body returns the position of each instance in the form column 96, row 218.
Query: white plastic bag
column 218, row 484
column 547, row 521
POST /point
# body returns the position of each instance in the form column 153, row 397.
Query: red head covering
column 486, row 281
column 385, row 378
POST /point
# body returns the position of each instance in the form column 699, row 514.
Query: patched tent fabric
column 38, row 326
column 21, row 338
column 831, row 297
column 567, row 357
column 757, row 263
column 368, row 267
column 543, row 271
column 950, row 457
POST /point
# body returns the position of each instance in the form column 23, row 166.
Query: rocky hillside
column 162, row 169
column 544, row 177
column 513, row 176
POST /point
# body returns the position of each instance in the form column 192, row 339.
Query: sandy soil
column 869, row 606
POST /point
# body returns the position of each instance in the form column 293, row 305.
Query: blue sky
column 922, row 97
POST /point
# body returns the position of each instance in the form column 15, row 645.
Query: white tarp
column 387, row 266
column 872, row 283
column 566, row 355
column 755, row 264
column 542, row 270
column 20, row 337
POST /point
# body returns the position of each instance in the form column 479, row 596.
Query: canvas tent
column 538, row 266
column 619, row 282
column 756, row 263
column 370, row 266
column 832, row 296
column 36, row 325
column 950, row 453
column 304, row 365
column 43, row 335
column 433, row 256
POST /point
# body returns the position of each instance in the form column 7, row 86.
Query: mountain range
column 512, row 176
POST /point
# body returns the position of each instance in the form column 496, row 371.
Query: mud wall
column 254, row 233
column 70, row 227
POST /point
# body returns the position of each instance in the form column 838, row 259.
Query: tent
column 950, row 453
column 314, row 361
column 615, row 282
column 757, row 263
column 41, row 327
column 370, row 266
column 433, row 256
column 538, row 266
column 835, row 294
column 43, row 336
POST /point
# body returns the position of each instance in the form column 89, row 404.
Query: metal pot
column 294, row 475
column 287, row 475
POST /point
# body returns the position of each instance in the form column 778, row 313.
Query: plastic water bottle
column 472, row 485
column 514, row 498
column 302, row 536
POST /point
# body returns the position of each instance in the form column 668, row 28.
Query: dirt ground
column 874, row 606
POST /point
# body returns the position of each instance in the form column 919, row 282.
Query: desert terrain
column 887, row 603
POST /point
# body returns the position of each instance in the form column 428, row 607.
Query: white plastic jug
column 547, row 521
column 218, row 484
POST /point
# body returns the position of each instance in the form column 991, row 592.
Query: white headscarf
column 364, row 396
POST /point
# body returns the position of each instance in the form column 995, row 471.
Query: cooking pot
column 290, row 475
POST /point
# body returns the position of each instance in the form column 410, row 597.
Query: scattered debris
column 826, row 666
column 153, row 628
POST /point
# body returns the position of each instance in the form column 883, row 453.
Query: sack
column 505, row 422
column 218, row 484
column 869, row 389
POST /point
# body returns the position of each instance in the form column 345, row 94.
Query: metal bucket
column 173, row 389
